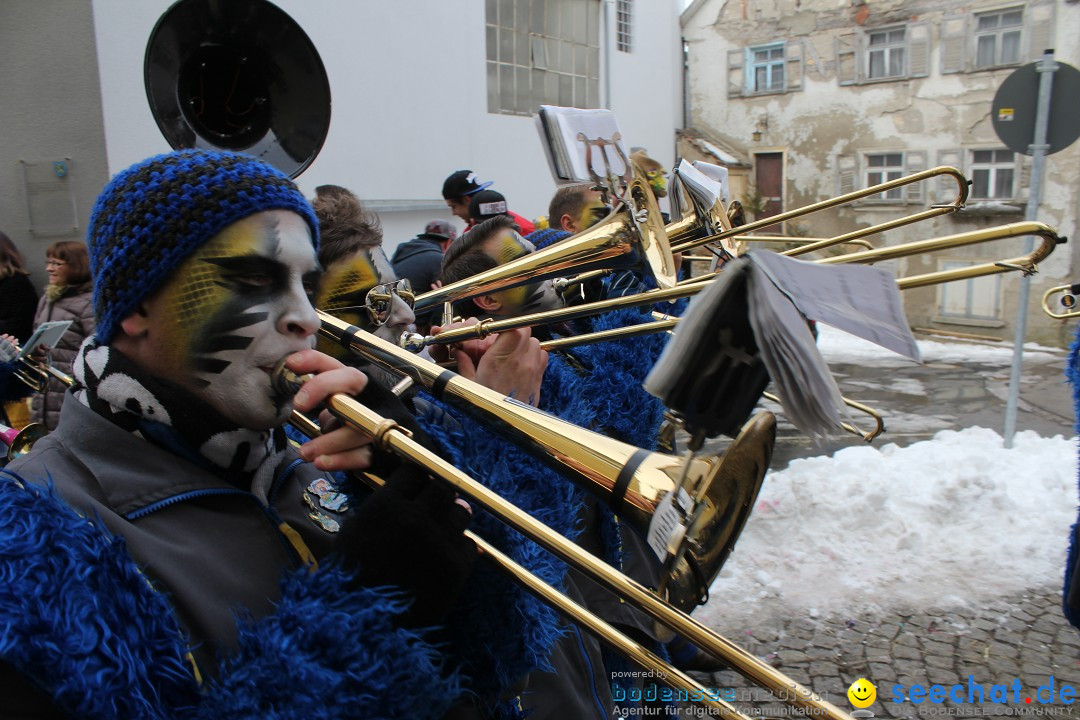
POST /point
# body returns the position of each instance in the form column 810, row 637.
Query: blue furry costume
column 79, row 618
column 1071, row 593
column 598, row 388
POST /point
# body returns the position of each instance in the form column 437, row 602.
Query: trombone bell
column 18, row 441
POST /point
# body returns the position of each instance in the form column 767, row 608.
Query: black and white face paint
column 234, row 308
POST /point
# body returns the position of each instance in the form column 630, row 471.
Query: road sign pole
column 1039, row 147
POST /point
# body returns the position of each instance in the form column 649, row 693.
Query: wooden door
column 769, row 180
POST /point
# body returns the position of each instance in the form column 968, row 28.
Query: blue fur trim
column 317, row 656
column 78, row 617
column 501, row 630
column 1072, row 611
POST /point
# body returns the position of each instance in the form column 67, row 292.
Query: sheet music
column 560, row 127
column 716, row 174
column 782, row 293
column 702, row 189
column 859, row 299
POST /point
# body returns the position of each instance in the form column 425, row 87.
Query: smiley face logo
column 862, row 693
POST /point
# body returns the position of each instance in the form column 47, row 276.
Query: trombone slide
column 387, row 435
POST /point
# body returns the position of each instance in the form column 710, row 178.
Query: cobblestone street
column 1024, row 638
column 1020, row 637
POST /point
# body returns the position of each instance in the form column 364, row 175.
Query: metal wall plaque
column 50, row 197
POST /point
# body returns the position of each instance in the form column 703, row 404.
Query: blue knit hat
column 159, row 211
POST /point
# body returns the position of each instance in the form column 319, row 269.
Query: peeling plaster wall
column 820, row 122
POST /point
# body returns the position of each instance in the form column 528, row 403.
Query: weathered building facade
column 823, row 97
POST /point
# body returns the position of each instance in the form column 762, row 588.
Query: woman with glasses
column 67, row 297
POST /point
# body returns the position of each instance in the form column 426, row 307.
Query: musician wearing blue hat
column 166, row 553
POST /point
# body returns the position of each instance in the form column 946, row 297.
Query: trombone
column 635, row 228
column 1067, row 300
column 1026, row 264
column 585, row 458
column 933, row 211
column 386, row 432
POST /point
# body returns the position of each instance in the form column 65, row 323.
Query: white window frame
column 992, row 171
column 887, row 51
column 854, row 53
column 741, row 68
column 998, row 34
column 875, row 175
column 770, row 65
column 967, row 289
column 960, row 35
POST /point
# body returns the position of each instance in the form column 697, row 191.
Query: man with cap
column 166, row 553
column 458, row 191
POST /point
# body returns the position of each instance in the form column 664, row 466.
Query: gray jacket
column 76, row 305
column 211, row 547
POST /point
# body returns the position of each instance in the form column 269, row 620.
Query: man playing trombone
column 161, row 551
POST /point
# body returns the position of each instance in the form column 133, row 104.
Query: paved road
column 1023, row 637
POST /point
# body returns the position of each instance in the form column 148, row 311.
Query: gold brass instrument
column 19, row 442
column 366, row 420
column 1026, row 264
column 582, row 457
column 934, row 211
column 1068, row 301
column 636, row 227
column 415, row 342
column 630, row 480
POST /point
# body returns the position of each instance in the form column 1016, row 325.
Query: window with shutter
column 954, row 37
column 846, row 60
column 914, row 162
column 997, row 37
column 735, row 73
column 946, row 186
column 919, row 49
column 847, row 170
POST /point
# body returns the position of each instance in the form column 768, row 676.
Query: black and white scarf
column 169, row 416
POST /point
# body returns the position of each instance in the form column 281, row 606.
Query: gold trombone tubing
column 483, row 328
column 636, row 228
column 367, row 421
column 1025, row 264
column 1068, row 301
column 934, row 211
column 503, row 410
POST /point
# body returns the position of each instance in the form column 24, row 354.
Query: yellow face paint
column 345, row 286
column 232, row 310
column 593, row 212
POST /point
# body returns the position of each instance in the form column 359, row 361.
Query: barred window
column 624, row 25
column 542, row 52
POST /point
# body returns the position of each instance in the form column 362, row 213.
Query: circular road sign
column 1015, row 102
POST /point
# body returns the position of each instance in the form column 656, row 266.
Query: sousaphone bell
column 240, row 76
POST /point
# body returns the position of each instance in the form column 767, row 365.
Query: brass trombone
column 590, row 456
column 934, row 211
column 386, row 432
column 636, row 227
column 1067, row 301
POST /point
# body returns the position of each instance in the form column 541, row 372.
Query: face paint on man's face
column 237, row 306
column 344, row 294
column 594, row 211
